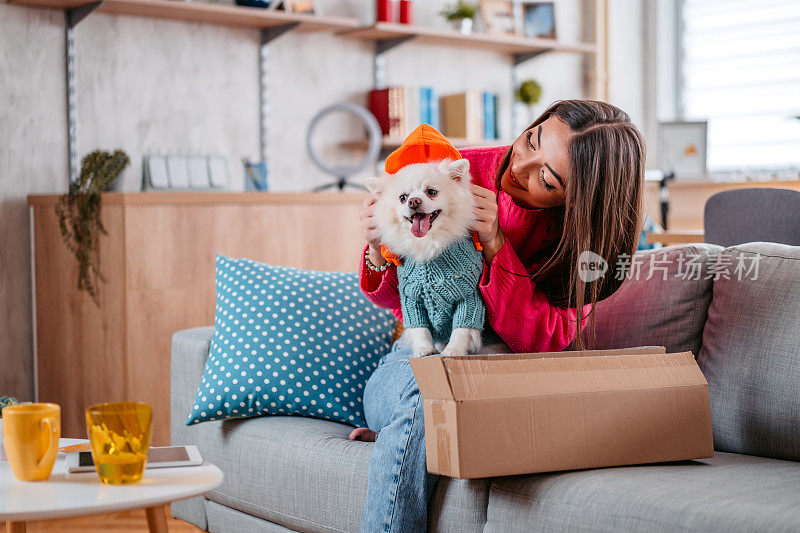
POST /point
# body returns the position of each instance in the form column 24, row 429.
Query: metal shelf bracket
column 524, row 56
column 267, row 36
column 272, row 33
column 387, row 44
column 379, row 60
column 76, row 14
column 73, row 17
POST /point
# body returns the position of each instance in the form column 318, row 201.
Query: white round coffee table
column 65, row 495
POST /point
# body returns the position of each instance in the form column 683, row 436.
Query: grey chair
column 748, row 215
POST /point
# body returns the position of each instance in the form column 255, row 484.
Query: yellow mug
column 30, row 437
column 120, row 437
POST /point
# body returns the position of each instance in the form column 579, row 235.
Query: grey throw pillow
column 663, row 302
column 751, row 351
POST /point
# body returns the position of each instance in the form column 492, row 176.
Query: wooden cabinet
column 158, row 264
column 687, row 200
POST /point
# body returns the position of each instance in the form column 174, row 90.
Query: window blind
column 740, row 70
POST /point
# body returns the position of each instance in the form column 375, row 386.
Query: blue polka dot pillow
column 291, row 342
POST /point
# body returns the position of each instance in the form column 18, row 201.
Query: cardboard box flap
column 431, row 378
column 476, row 377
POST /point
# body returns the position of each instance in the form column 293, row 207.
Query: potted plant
column 461, row 15
column 4, row 402
column 529, row 92
column 78, row 213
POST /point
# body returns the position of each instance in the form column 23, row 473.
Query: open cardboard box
column 505, row 414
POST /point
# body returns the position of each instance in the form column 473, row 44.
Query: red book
column 383, row 104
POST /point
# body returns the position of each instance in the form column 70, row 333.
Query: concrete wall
column 150, row 86
column 33, row 159
column 147, row 85
column 626, row 64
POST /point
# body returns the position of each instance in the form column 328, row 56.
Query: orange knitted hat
column 424, row 145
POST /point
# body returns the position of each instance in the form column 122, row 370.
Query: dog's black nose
column 414, row 203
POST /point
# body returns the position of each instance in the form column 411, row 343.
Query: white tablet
column 157, row 457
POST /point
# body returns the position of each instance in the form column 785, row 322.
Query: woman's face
column 539, row 165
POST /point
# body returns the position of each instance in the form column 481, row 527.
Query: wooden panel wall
column 158, row 258
column 81, row 359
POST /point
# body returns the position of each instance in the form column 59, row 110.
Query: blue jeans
column 399, row 486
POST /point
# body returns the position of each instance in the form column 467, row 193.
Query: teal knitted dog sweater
column 442, row 294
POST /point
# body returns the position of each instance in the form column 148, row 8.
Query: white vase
column 463, row 25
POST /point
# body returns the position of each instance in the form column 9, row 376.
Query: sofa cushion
column 290, row 341
column 662, row 303
column 306, row 475
column 751, row 351
column 729, row 492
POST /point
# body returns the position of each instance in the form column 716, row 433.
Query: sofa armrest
column 189, row 353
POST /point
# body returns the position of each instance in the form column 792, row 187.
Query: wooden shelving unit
column 520, row 47
column 203, row 12
column 251, row 17
column 272, row 24
column 384, row 36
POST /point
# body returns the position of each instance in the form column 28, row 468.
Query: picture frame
column 498, row 17
column 178, row 172
column 198, row 173
column 682, row 149
column 218, row 172
column 182, row 173
column 304, row 7
column 538, row 20
column 155, row 173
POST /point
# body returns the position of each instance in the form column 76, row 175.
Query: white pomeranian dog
column 424, row 214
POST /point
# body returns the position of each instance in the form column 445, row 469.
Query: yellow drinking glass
column 120, row 436
column 30, row 437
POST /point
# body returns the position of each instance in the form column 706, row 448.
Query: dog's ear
column 374, row 185
column 459, row 170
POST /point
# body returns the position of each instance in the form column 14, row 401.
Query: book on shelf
column 468, row 115
column 462, row 115
column 490, row 116
column 400, row 109
column 429, row 106
column 385, row 105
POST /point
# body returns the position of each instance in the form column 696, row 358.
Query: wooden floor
column 117, row 522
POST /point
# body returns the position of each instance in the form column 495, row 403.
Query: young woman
column 571, row 183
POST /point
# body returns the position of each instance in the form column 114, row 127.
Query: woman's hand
column 367, row 217
column 486, row 224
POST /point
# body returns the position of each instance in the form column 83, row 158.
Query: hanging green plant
column 529, row 92
column 78, row 213
column 6, row 401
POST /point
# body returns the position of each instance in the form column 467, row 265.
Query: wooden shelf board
column 206, row 13
column 390, row 143
column 510, row 44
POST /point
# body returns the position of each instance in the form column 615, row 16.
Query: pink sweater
column 516, row 309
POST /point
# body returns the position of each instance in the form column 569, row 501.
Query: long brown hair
column 602, row 210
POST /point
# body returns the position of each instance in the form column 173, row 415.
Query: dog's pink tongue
column 420, row 224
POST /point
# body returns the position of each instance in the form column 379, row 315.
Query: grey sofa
column 300, row 474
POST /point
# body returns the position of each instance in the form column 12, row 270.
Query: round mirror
column 328, row 161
